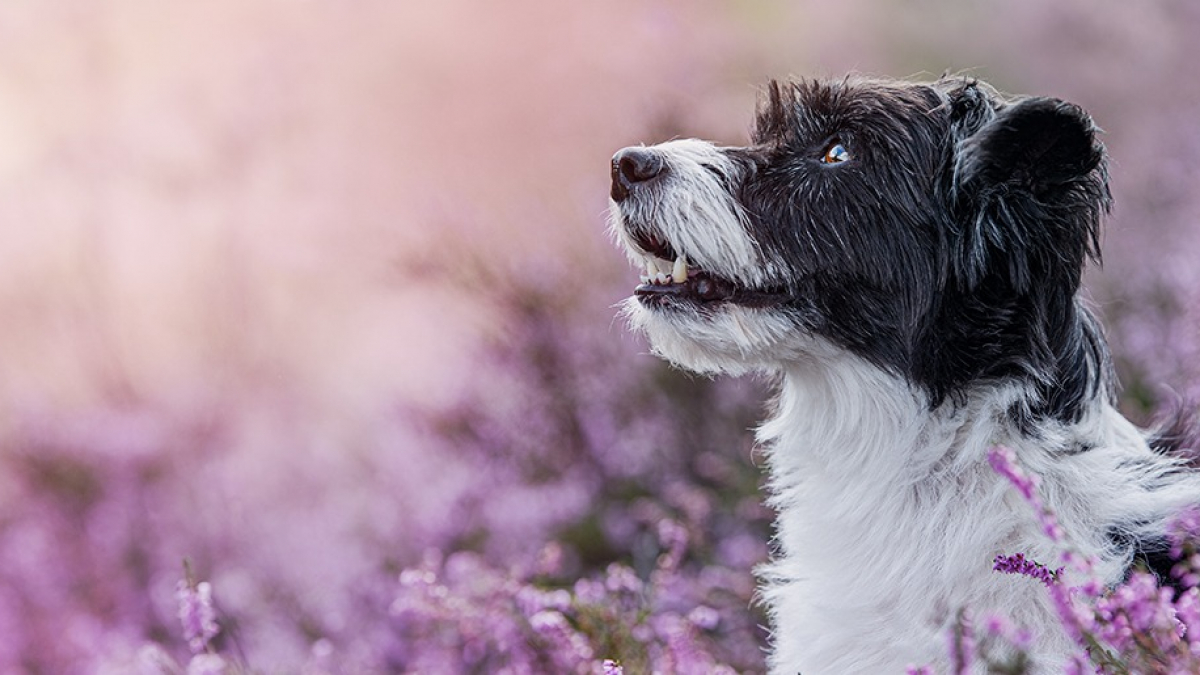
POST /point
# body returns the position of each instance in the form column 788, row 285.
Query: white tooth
column 651, row 269
column 679, row 274
column 645, row 279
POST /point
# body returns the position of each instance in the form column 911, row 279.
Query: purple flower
column 612, row 667
column 621, row 579
column 567, row 646
column 206, row 664
column 704, row 618
column 1076, row 620
column 1138, row 613
column 1183, row 531
column 674, row 538
column 1186, row 571
column 589, row 591
column 996, row 626
column 532, row 600
column 1019, row 564
column 1004, row 462
column 197, row 614
column 1079, row 665
column 550, row 560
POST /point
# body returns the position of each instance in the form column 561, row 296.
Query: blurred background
column 310, row 293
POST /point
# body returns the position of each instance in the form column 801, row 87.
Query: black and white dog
column 906, row 258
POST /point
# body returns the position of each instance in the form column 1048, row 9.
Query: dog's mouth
column 669, row 278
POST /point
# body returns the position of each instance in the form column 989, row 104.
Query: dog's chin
column 716, row 337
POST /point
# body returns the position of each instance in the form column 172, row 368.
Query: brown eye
column 836, row 153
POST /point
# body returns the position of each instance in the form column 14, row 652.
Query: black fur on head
column 946, row 242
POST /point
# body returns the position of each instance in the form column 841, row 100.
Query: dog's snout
column 632, row 166
column 638, row 165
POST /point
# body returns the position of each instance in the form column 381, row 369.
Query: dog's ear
column 1030, row 187
column 1037, row 144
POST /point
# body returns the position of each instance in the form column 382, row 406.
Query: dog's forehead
column 805, row 108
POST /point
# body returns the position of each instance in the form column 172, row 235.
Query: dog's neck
column 846, row 419
column 890, row 516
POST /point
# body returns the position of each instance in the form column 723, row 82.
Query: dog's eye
column 836, row 153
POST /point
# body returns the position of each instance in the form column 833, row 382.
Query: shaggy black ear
column 1036, row 144
column 1031, row 186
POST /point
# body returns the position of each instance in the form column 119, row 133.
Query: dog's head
column 936, row 230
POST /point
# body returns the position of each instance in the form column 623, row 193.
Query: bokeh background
column 310, row 293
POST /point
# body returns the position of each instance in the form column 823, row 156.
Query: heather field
column 308, row 359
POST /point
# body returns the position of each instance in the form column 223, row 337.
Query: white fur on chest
column 889, row 516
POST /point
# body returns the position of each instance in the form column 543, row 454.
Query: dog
column 905, row 259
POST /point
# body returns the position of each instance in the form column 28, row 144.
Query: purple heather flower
column 1186, row 571
column 197, row 614
column 612, row 667
column 674, row 538
column 532, row 600
column 704, row 618
column 567, row 646
column 152, row 659
column 1183, row 530
column 548, row 623
column 998, row 626
column 683, row 654
column 206, row 664
column 589, row 591
column 1079, row 665
column 415, row 578
column 622, row 579
column 1076, row 620
column 1004, row 462
column 1139, row 608
column 550, row 560
column 1019, row 564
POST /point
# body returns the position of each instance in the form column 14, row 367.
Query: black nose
column 632, row 166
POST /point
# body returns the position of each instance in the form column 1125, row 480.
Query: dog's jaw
column 687, row 208
column 728, row 339
column 708, row 300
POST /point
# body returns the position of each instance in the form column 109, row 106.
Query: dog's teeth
column 662, row 278
column 651, row 268
column 679, row 274
column 645, row 279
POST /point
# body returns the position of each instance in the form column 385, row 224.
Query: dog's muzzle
column 632, row 167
